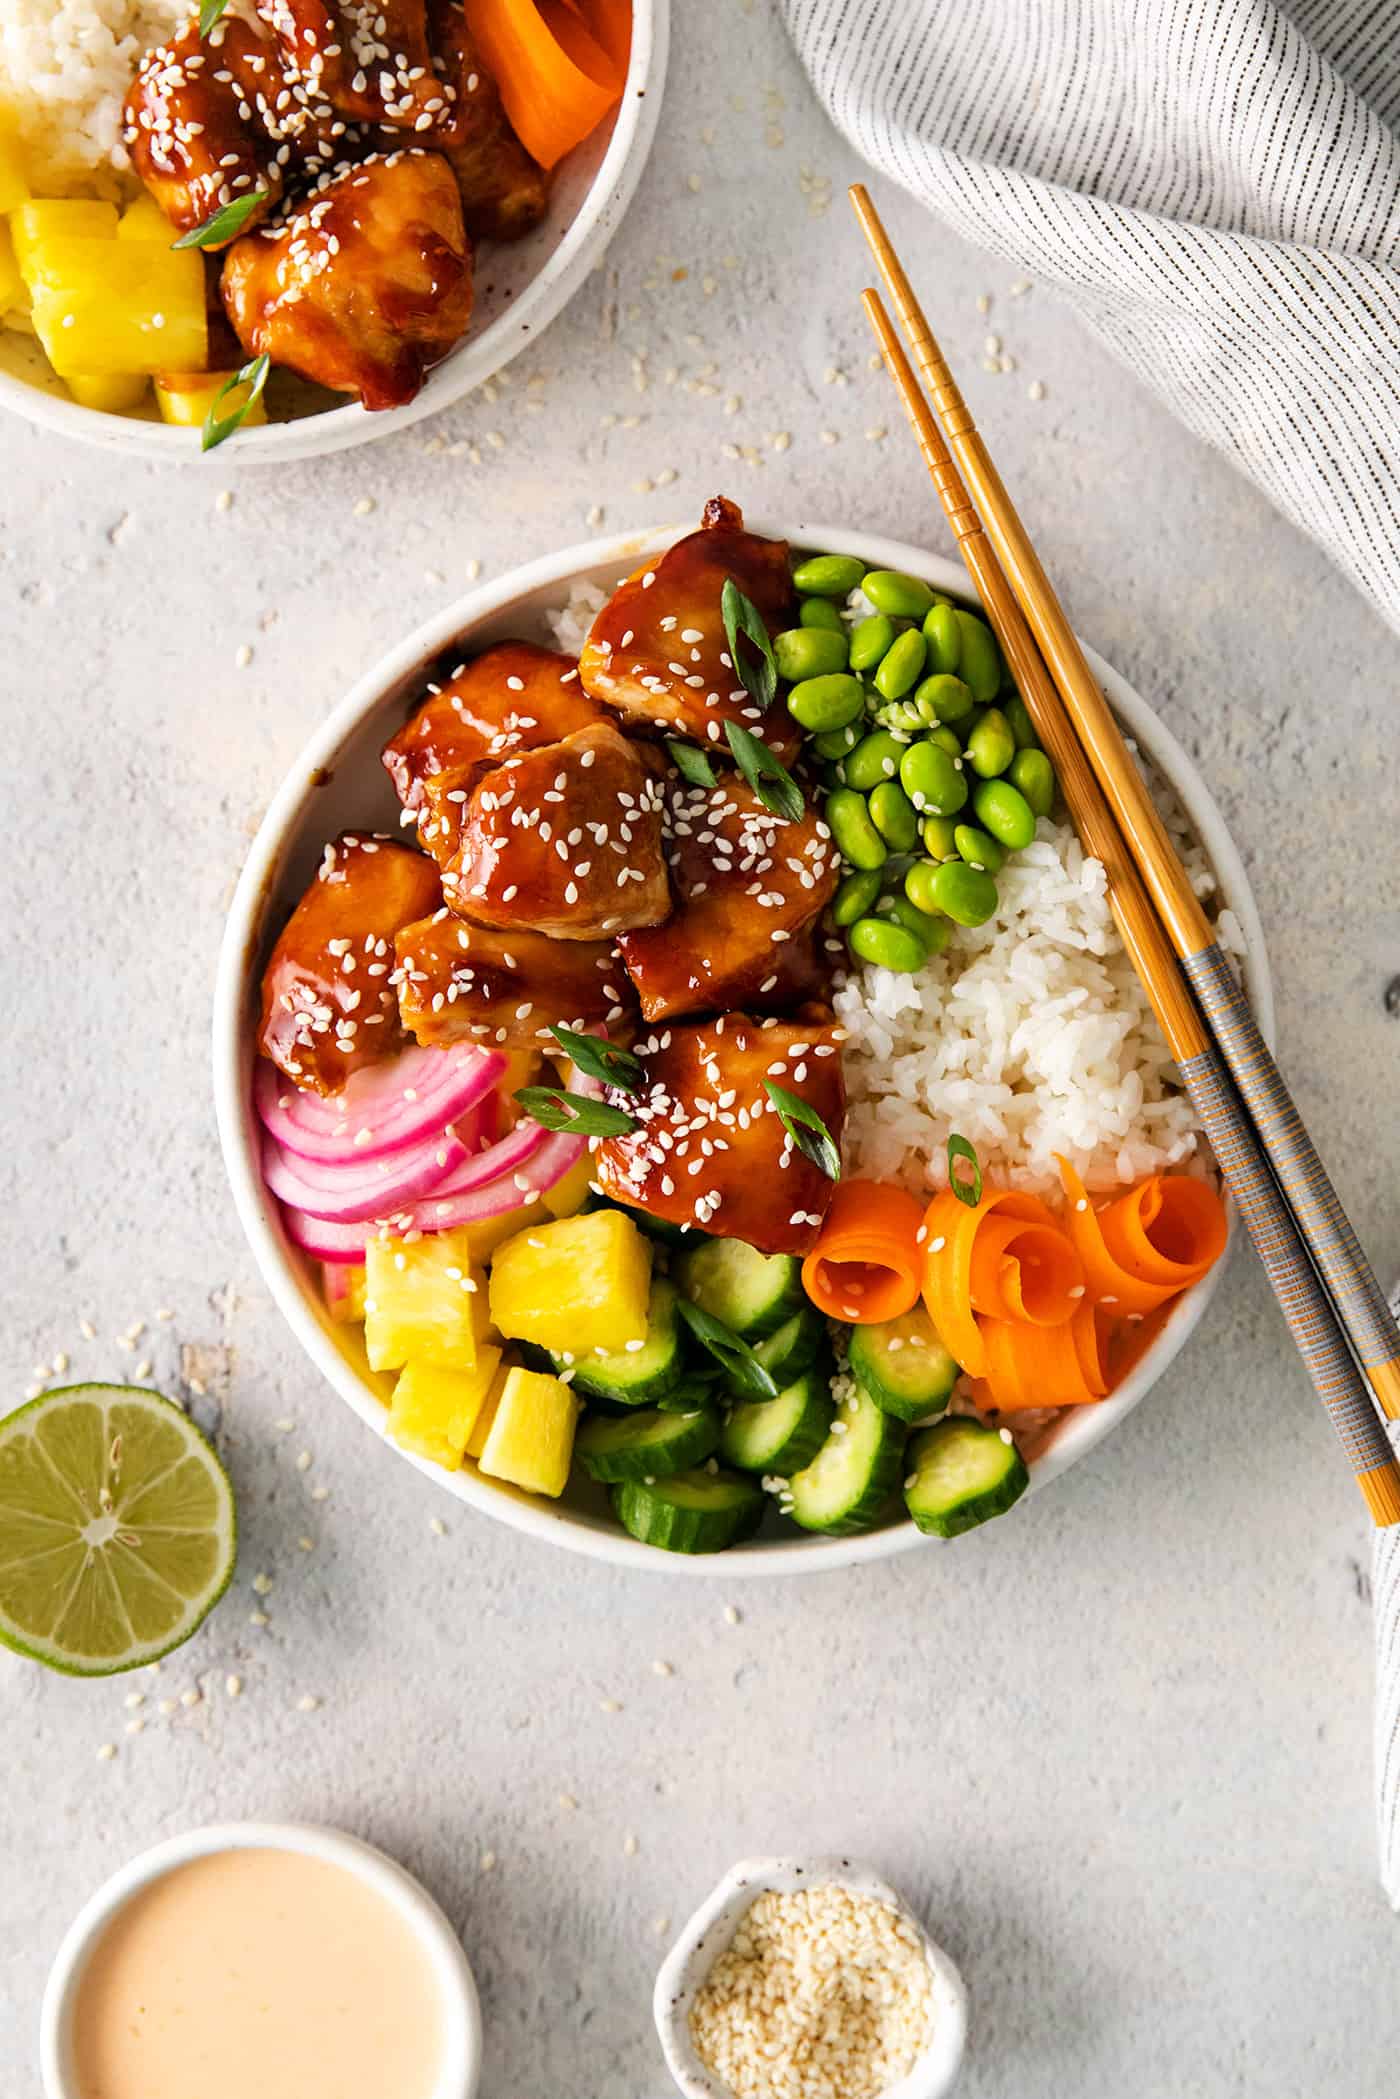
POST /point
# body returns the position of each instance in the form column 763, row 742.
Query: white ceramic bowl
column 460, row 2076
column 338, row 783
column 707, row 1934
column 521, row 287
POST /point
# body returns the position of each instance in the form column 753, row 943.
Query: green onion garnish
column 253, row 377
column 746, row 1374
column 969, row 1192
column 229, row 219
column 599, row 1059
column 554, row 1108
column 767, row 776
column 210, row 11
column 756, row 670
column 806, row 1129
column 691, row 764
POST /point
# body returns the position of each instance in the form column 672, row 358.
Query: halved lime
column 117, row 1528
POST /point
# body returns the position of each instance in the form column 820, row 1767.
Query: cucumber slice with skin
column 646, row 1444
column 636, row 1377
column 780, row 1435
column 961, row 1472
column 753, row 1294
column 847, row 1485
column 903, row 1365
column 796, row 1346
column 693, row 1512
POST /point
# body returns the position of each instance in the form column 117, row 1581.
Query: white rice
column 1029, row 1036
column 65, row 68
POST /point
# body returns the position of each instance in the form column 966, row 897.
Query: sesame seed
column 662, row 1669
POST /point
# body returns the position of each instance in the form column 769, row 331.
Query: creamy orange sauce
column 263, row 1973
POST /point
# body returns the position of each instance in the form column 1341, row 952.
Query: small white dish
column 705, row 1937
column 521, row 287
column 460, row 2076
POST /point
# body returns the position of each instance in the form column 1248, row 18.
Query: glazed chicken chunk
column 511, row 698
column 657, row 651
column 709, row 1149
column 328, row 1003
column 461, row 983
column 505, row 194
column 364, row 285
column 565, row 840
column 370, row 59
column 750, row 892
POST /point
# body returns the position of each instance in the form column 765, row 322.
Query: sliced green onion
column 600, row 1059
column 755, row 667
column 767, row 776
column 228, row 220
column 216, row 427
column 806, row 1129
column 744, row 1370
column 969, row 1192
column 210, row 12
column 554, row 1108
column 691, row 764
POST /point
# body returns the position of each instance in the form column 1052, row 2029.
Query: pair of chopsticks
column 1329, row 1297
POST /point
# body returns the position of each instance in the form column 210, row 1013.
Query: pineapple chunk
column 433, row 1411
column 425, row 1302
column 578, row 1284
column 43, row 220
column 486, row 1419
column 494, row 1231
column 12, row 291
column 145, row 221
column 118, row 394
column 343, row 1285
column 14, row 181
column 567, row 1197
column 531, row 1440
column 106, row 306
column 187, row 397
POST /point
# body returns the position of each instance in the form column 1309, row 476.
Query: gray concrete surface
column 1116, row 1749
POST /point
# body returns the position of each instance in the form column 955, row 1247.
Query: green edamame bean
column 943, row 698
column 991, row 746
column 835, row 743
column 1022, row 727
column 935, row 933
column 855, row 896
column 809, row 652
column 1034, row 776
column 919, row 890
column 939, row 835
column 979, row 849
column 892, row 814
column 932, row 780
column 1004, row 811
column 875, row 758
column 820, row 612
column 964, row 893
column 901, row 717
column 944, row 639
column 887, row 944
column 980, row 662
column 947, row 740
column 901, row 596
column 827, row 575
column 870, row 638
column 857, row 840
column 902, row 665
column 827, row 703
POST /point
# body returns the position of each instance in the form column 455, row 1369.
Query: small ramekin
column 704, row 1938
column 460, row 2076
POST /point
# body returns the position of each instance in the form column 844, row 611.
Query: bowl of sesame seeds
column 339, row 784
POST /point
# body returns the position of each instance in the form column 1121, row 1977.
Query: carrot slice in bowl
column 867, row 1263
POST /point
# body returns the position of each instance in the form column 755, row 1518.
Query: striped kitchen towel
column 1213, row 184
column 1385, row 1586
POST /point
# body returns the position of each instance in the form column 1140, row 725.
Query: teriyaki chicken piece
column 463, row 983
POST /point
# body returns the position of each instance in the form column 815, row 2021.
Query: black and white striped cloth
column 1213, row 184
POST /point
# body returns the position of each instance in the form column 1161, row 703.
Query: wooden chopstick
column 1323, row 1224
column 1305, row 1306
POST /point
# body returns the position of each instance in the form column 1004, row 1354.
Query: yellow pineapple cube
column 187, row 397
column 433, row 1411
column 36, row 225
column 145, row 221
column 343, row 1285
column 115, row 394
column 493, row 1231
column 486, row 1419
column 567, row 1197
column 12, row 290
column 105, row 306
column 580, row 1283
column 425, row 1302
column 531, row 1439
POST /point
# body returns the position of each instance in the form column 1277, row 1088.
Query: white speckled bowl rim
column 337, row 783
column 705, row 1936
column 594, row 187
column 460, row 2075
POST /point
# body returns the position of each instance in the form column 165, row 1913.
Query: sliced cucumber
column 693, row 1512
column 780, row 1435
column 636, row 1377
column 753, row 1294
column 646, row 1444
column 847, row 1485
column 903, row 1365
column 961, row 1471
column 795, row 1347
